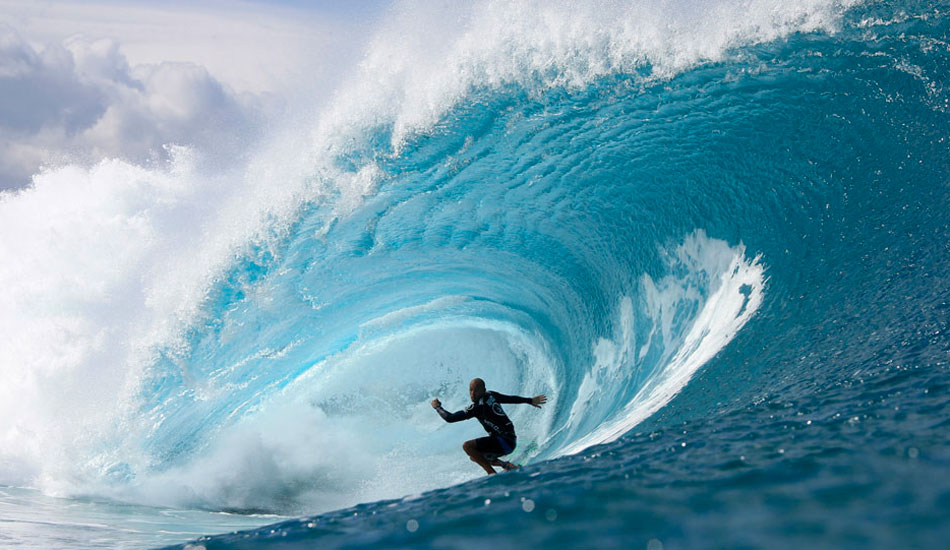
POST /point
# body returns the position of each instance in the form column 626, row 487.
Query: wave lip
column 722, row 287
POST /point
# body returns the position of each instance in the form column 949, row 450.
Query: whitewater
column 714, row 234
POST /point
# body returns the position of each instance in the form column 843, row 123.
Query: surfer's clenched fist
column 436, row 403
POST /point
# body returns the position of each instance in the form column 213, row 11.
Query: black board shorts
column 494, row 446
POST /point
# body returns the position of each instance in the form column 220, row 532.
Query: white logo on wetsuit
column 495, row 406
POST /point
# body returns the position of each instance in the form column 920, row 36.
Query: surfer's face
column 476, row 389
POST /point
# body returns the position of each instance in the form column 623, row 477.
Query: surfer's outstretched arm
column 535, row 401
column 463, row 414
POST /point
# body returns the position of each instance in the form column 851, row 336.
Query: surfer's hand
column 538, row 400
column 436, row 403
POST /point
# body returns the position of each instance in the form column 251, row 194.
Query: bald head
column 476, row 389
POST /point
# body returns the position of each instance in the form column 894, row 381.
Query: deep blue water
column 730, row 280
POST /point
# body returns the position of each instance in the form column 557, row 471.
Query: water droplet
column 487, row 501
column 527, row 505
column 913, row 452
column 551, row 514
column 654, row 544
column 412, row 526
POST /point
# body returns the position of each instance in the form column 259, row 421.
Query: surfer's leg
column 495, row 447
column 471, row 449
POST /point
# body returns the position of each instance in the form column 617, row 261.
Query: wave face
column 595, row 203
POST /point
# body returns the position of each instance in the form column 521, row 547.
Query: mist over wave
column 586, row 201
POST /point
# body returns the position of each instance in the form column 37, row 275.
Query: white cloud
column 253, row 47
column 83, row 81
column 81, row 101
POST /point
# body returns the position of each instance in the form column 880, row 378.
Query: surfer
column 486, row 407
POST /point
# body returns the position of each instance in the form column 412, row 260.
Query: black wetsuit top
column 488, row 411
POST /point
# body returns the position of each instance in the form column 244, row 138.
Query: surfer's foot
column 507, row 466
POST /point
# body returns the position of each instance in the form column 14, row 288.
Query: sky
column 82, row 81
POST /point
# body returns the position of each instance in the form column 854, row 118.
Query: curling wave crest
column 486, row 200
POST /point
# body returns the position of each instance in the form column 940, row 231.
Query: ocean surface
column 715, row 234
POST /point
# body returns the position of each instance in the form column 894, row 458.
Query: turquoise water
column 722, row 256
column 29, row 519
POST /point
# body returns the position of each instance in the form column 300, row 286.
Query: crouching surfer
column 486, row 407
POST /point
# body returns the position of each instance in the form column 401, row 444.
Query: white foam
column 726, row 287
column 429, row 56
